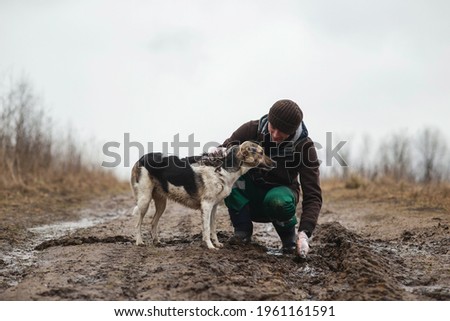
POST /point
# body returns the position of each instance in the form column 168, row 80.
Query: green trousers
column 276, row 205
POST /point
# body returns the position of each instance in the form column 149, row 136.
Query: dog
column 199, row 182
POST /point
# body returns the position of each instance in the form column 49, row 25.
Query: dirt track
column 361, row 251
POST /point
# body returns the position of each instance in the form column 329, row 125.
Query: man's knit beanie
column 286, row 116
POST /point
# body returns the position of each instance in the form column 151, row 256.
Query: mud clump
column 70, row 241
column 356, row 271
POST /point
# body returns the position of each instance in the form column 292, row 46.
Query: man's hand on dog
column 217, row 151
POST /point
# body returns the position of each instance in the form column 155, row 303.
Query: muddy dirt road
column 361, row 251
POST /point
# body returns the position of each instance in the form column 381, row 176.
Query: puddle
column 23, row 257
column 88, row 218
column 52, row 231
column 274, row 251
column 434, row 291
column 17, row 260
column 308, row 270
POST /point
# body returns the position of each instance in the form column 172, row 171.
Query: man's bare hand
column 302, row 244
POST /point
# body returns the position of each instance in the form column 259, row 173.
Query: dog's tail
column 134, row 180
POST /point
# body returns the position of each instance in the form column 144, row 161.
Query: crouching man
column 272, row 196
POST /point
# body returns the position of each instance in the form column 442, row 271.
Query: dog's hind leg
column 214, row 238
column 160, row 205
column 136, row 212
column 207, row 208
column 142, row 188
column 141, row 208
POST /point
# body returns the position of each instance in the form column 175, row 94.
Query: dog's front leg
column 215, row 240
column 207, row 208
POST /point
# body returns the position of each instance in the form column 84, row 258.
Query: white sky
column 157, row 68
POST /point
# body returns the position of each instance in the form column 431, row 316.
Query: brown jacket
column 297, row 167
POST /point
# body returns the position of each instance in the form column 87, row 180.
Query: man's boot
column 287, row 237
column 243, row 226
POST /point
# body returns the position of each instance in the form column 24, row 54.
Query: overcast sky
column 157, row 68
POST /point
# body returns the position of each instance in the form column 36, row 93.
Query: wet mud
column 350, row 258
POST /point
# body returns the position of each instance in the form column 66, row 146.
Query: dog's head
column 252, row 155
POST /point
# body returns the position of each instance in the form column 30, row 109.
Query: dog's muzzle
column 268, row 164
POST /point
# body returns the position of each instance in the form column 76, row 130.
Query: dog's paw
column 210, row 246
column 218, row 245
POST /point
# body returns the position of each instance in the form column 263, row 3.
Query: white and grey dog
column 201, row 186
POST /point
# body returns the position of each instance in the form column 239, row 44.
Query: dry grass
column 38, row 172
column 435, row 196
column 55, row 198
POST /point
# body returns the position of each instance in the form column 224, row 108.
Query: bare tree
column 25, row 134
column 395, row 156
column 431, row 151
column 33, row 156
column 364, row 163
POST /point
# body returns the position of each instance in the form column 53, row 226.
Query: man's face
column 277, row 135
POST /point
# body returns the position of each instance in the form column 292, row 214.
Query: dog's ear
column 242, row 151
column 239, row 154
column 245, row 152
